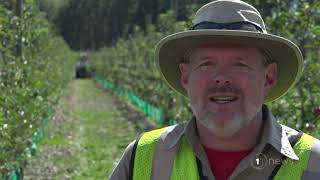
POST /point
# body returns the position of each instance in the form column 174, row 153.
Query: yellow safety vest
column 186, row 165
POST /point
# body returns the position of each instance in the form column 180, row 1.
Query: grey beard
column 224, row 130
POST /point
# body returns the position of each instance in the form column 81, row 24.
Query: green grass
column 104, row 133
column 54, row 141
column 91, row 136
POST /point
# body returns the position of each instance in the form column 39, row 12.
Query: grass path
column 86, row 137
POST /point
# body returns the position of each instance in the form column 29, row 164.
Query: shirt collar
column 272, row 133
column 277, row 135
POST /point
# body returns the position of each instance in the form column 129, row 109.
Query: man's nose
column 221, row 79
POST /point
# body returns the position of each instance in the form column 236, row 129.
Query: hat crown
column 229, row 11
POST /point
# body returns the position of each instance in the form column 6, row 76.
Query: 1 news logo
column 259, row 162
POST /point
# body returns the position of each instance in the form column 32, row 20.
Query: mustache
column 224, row 89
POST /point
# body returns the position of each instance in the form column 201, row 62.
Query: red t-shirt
column 224, row 162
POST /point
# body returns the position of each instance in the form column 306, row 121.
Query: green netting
column 15, row 175
column 172, row 122
column 18, row 174
column 33, row 149
column 61, row 93
column 149, row 110
column 108, row 85
column 158, row 115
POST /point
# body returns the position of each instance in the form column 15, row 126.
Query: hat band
column 245, row 26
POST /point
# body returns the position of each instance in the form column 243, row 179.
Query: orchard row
column 35, row 65
column 130, row 64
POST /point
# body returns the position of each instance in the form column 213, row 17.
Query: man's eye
column 241, row 65
column 206, row 64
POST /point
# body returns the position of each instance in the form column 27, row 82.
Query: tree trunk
column 148, row 22
column 174, row 7
column 19, row 7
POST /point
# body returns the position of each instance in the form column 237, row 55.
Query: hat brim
column 171, row 49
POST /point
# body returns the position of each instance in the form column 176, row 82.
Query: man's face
column 226, row 84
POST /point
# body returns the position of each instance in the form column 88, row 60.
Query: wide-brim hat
column 235, row 22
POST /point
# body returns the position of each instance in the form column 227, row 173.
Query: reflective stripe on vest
column 292, row 169
column 185, row 165
column 144, row 154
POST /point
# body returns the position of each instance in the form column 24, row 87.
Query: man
column 228, row 66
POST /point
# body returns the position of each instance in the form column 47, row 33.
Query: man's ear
column 271, row 77
column 184, row 74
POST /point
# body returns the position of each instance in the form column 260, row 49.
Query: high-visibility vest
column 186, row 165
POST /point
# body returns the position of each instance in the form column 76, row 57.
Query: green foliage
column 6, row 4
column 93, row 24
column 300, row 22
column 129, row 63
column 52, row 8
column 34, row 66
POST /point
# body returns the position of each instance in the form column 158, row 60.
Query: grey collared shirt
column 259, row 164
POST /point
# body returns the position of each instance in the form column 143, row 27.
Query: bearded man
column 229, row 67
